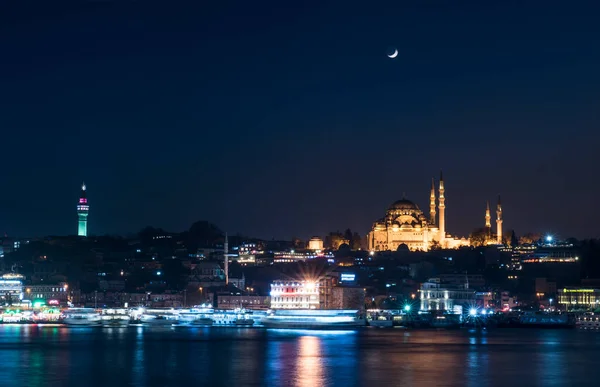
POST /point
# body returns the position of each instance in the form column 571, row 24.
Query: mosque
column 405, row 224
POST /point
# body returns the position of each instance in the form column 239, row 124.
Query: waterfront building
column 435, row 295
column 47, row 292
column 83, row 210
column 579, row 298
column 294, row 294
column 11, row 288
column 405, row 224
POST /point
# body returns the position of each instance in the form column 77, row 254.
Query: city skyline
column 83, row 209
column 298, row 124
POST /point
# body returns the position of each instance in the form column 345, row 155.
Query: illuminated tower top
column 442, row 210
column 488, row 217
column 432, row 204
column 499, row 222
column 82, row 212
column 82, row 198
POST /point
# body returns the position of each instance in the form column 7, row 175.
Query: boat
column 159, row 317
column 314, row 319
column 195, row 317
column 115, row 317
column 244, row 321
column 546, row 320
column 381, row 321
column 82, row 316
column 234, row 317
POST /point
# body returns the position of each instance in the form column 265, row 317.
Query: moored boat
column 314, row 319
column 81, row 316
column 546, row 320
column 115, row 317
column 159, row 317
column 383, row 321
column 195, row 317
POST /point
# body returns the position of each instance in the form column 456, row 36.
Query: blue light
column 483, row 312
column 407, row 308
column 473, row 312
column 549, row 238
column 158, row 273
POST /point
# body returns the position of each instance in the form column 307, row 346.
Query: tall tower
column 82, row 212
column 432, row 204
column 442, row 208
column 226, row 259
column 488, row 217
column 499, row 222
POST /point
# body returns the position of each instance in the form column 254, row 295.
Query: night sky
column 280, row 119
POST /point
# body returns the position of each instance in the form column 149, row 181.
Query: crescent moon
column 395, row 54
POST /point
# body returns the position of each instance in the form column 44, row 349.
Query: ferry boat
column 195, row 317
column 236, row 317
column 384, row 320
column 258, row 316
column 546, row 320
column 115, row 317
column 81, row 316
column 12, row 316
column 159, row 317
column 313, row 319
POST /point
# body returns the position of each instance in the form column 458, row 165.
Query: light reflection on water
column 137, row 356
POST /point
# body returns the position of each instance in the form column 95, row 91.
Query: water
column 136, row 356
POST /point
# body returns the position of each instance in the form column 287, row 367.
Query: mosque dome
column 404, row 204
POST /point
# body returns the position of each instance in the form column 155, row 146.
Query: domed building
column 405, row 224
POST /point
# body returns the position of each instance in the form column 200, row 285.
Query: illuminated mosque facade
column 405, row 224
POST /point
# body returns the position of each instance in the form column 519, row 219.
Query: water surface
column 135, row 356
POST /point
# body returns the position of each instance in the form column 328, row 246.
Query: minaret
column 226, row 259
column 488, row 217
column 82, row 212
column 442, row 208
column 432, row 204
column 499, row 222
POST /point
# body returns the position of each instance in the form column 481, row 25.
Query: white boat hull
column 278, row 324
column 115, row 323
column 199, row 322
column 82, row 322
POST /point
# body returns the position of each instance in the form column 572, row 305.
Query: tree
column 334, row 239
column 356, row 242
column 514, row 241
column 348, row 235
column 479, row 236
column 530, row 238
column 509, row 238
